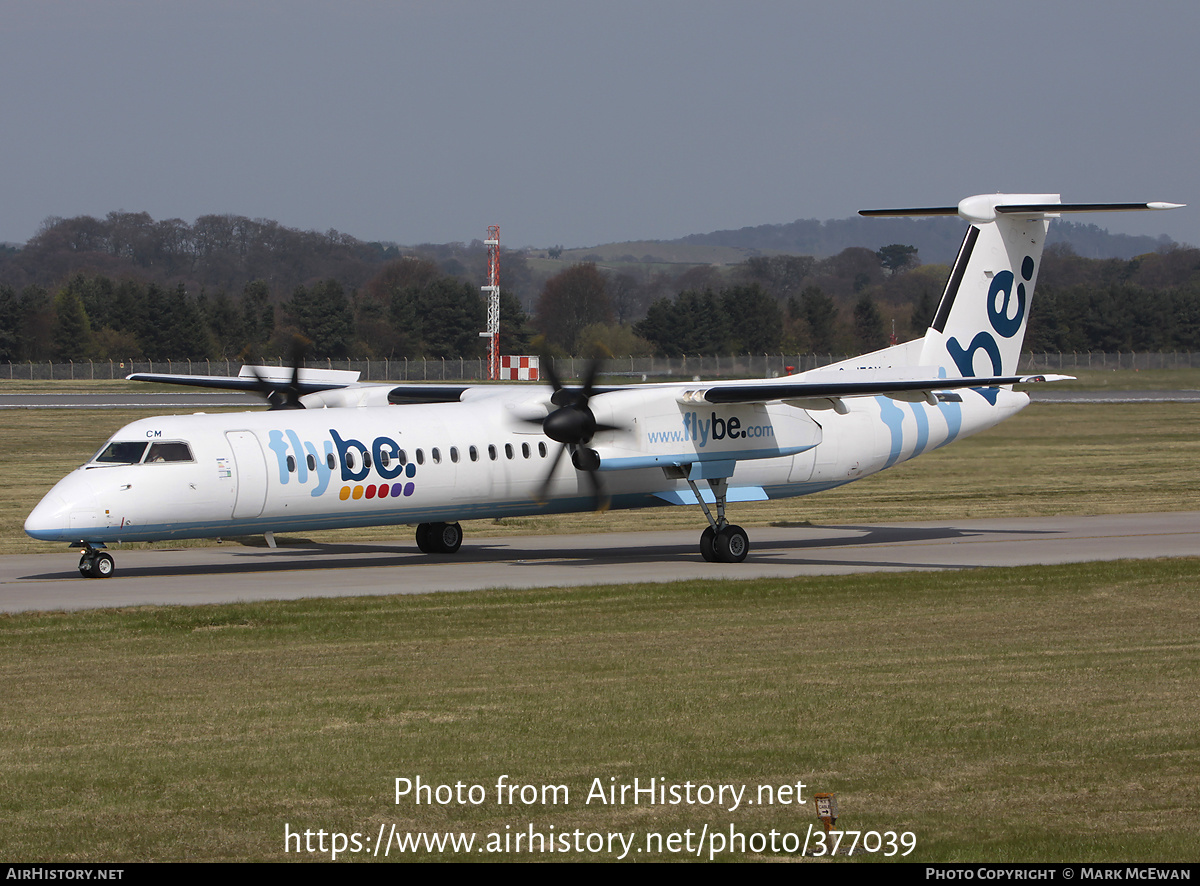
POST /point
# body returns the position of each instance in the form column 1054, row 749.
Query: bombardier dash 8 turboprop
column 431, row 455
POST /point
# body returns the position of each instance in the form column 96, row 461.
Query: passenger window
column 474, row 454
column 291, row 464
column 402, row 457
column 160, row 452
column 508, row 451
column 420, row 457
column 436, row 455
column 312, row 462
column 351, row 461
column 525, row 450
column 367, row 460
column 491, row 452
column 384, row 458
column 329, row 461
column 454, row 454
column 542, row 449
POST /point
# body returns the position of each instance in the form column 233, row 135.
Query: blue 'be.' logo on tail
column 1003, row 325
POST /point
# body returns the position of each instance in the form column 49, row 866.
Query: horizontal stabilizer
column 927, row 210
column 1027, row 208
column 1034, row 208
column 986, row 207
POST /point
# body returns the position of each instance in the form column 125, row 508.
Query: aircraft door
column 250, row 471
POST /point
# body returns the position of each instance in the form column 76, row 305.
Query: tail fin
column 980, row 322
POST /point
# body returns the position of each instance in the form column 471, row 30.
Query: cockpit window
column 117, row 453
column 160, row 452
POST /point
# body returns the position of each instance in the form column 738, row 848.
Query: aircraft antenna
column 493, row 290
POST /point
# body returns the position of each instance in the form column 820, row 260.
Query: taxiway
column 231, row 572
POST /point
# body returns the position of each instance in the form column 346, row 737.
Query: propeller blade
column 542, row 496
column 589, row 377
column 572, row 426
column 285, row 396
column 547, row 365
column 600, row 499
column 293, row 391
column 267, row 389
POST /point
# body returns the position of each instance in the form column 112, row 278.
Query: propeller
column 573, row 425
column 285, row 396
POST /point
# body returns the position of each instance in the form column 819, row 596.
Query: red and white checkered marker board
column 519, row 368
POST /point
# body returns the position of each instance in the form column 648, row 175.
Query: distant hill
column 936, row 239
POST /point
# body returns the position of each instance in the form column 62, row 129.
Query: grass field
column 1023, row 714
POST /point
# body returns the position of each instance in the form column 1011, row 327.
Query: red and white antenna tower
column 493, row 289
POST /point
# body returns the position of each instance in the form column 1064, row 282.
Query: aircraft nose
column 52, row 519
column 49, row 519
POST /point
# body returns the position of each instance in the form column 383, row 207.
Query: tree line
column 132, row 288
column 410, row 309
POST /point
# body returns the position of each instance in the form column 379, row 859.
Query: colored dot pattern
column 382, row 490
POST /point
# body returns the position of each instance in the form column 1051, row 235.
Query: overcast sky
column 579, row 124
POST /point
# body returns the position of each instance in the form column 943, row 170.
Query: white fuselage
column 301, row 470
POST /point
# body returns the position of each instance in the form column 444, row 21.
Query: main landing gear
column 95, row 563
column 721, row 542
column 439, row 538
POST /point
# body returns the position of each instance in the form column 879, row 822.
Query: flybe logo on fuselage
column 354, row 459
column 699, row 431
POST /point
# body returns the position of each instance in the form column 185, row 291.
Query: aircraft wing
column 251, row 384
column 813, row 390
column 904, row 389
column 310, row 381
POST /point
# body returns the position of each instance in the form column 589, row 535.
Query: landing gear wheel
column 447, row 537
column 731, row 544
column 92, row 565
column 706, row 545
column 425, row 538
column 104, row 566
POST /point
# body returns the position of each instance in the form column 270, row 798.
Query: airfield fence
column 632, row 368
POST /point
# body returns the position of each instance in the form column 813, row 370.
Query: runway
column 233, row 572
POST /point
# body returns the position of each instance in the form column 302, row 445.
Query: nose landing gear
column 95, row 563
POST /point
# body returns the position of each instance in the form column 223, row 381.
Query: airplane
column 336, row 453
